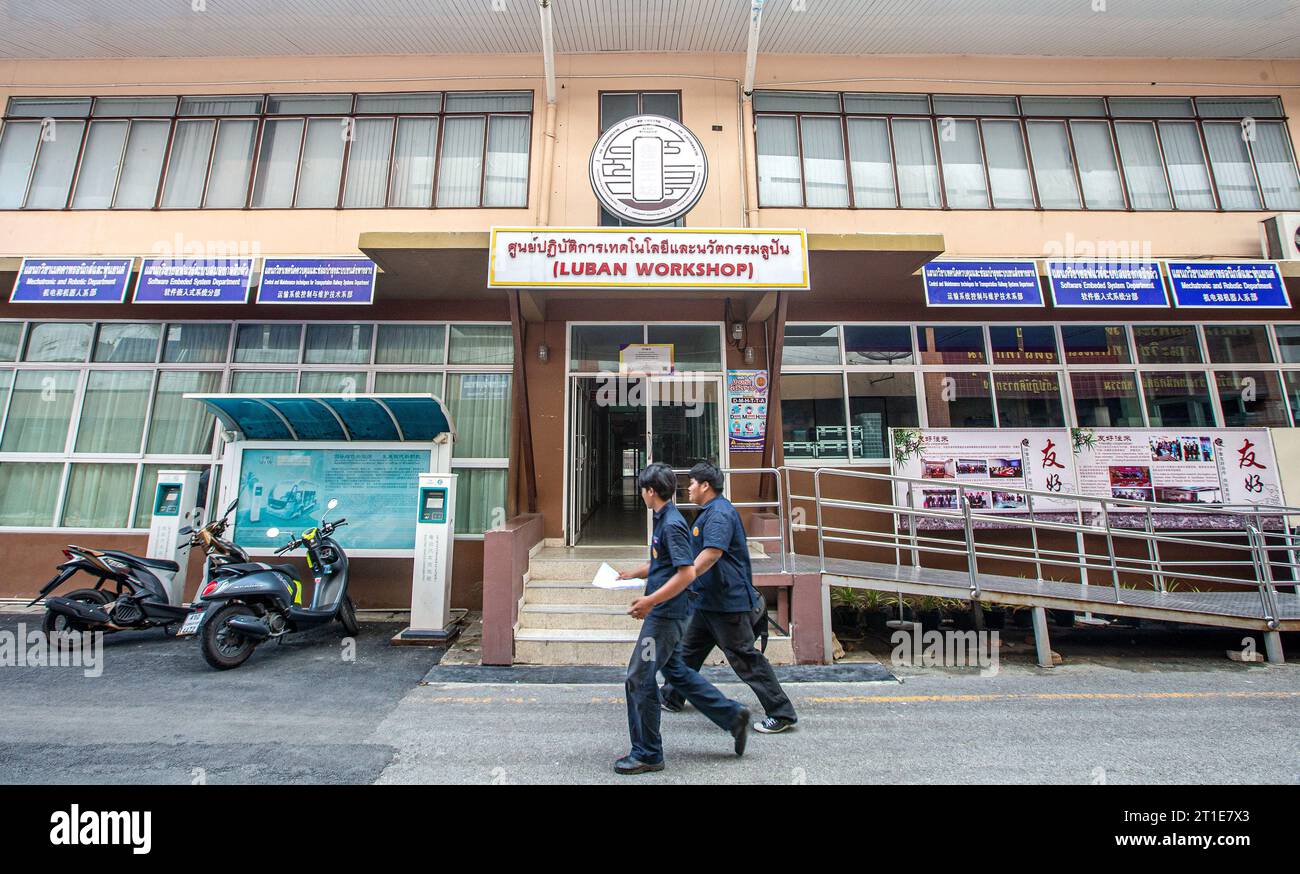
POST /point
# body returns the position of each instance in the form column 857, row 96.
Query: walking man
column 727, row 599
column 663, row 609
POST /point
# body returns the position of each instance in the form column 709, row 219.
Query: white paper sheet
column 607, row 578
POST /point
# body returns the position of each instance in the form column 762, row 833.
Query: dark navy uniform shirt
column 670, row 548
column 727, row 586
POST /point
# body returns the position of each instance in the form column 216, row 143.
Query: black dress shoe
column 670, row 705
column 740, row 730
column 630, row 765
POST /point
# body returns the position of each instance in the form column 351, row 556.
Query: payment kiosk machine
column 435, row 527
column 174, row 507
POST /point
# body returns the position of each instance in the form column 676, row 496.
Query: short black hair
column 660, row 478
column 704, row 473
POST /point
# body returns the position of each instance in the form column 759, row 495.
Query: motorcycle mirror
column 186, row 530
column 273, row 533
column 332, row 504
column 231, row 507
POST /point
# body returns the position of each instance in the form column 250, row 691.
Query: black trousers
column 734, row 635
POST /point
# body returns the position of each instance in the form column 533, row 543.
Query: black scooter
column 243, row 605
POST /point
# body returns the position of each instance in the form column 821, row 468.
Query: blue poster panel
column 194, row 280
column 1088, row 283
column 1227, row 285
column 72, row 280
column 317, row 281
column 982, row 283
column 290, row 488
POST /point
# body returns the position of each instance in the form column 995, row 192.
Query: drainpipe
column 747, row 113
column 548, row 142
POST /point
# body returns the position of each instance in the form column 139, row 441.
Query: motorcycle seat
column 160, row 564
column 253, row 567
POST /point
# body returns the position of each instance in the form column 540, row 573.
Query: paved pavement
column 301, row 713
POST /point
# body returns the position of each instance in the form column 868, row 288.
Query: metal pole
column 972, row 564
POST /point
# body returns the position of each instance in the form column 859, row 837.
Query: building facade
column 890, row 142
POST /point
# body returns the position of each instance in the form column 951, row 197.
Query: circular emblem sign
column 648, row 169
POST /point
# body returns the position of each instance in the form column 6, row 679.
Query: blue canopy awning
column 391, row 418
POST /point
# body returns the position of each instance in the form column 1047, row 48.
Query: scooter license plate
column 191, row 624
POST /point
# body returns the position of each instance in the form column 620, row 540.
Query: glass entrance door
column 685, row 423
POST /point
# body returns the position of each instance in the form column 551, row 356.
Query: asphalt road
column 301, row 713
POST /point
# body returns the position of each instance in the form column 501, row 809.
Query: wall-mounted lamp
column 543, row 353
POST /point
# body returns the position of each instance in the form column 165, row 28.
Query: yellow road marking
column 1043, row 696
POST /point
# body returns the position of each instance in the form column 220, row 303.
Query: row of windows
column 90, row 412
column 844, row 386
column 826, row 150
column 467, row 149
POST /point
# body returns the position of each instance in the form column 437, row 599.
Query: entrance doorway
column 619, row 423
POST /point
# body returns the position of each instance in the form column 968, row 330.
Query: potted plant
column 844, row 610
column 995, row 617
column 929, row 612
column 874, row 610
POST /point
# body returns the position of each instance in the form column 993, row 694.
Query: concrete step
column 587, row 616
column 574, row 646
column 582, row 562
column 576, row 592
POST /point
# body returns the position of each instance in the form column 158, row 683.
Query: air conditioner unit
column 1279, row 237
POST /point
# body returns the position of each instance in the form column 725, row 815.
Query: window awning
column 388, row 417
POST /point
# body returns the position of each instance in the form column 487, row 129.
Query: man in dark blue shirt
column 726, row 601
column 664, row 611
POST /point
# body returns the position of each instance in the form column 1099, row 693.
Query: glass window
column 208, row 104
column 963, row 164
column 426, row 102
column 409, row 383
column 480, row 499
column 695, row 347
column 58, row 341
column 149, row 485
column 49, row 107
column 480, row 406
column 812, row 416
column 1095, row 344
column 135, row 342
column 488, row 101
column 308, row 104
column 145, row 150
column 667, row 104
column 322, row 163
column 1251, row 398
column 55, row 163
column 113, row 412
column 1288, row 342
column 1008, row 165
column 1030, row 344
column 878, row 402
column 872, row 163
column 887, row 104
column 1275, row 162
column 1029, row 400
column 1053, row 165
column 126, row 107
column 780, row 178
column 1292, row 380
column 796, row 101
column 99, row 496
column 958, row 400
column 6, row 383
column 180, row 426
column 411, row 344
column 950, row 344
column 1232, row 344
column 17, row 154
column 267, row 344
column 412, row 182
column 368, row 162
column 974, row 104
column 11, row 334
column 39, row 411
column 331, row 382
column 188, row 167
column 1178, row 399
column 1239, row 107
column 1233, row 173
column 1106, row 400
column 617, row 106
column 825, row 179
column 1063, row 106
column 191, row 343
column 505, row 180
column 29, row 492
column 811, row 344
column 482, row 344
column 263, row 382
column 596, row 347
column 277, row 163
column 100, row 164
column 460, row 165
column 1167, row 344
column 232, row 164
column 875, row 344
column 337, row 344
column 1098, row 170
column 918, row 172
column 1143, row 170
column 1186, row 162
column 1151, row 107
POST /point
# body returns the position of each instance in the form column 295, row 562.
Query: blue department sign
column 648, row 169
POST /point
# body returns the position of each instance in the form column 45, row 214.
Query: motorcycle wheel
column 224, row 648
column 348, row 616
column 55, row 623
